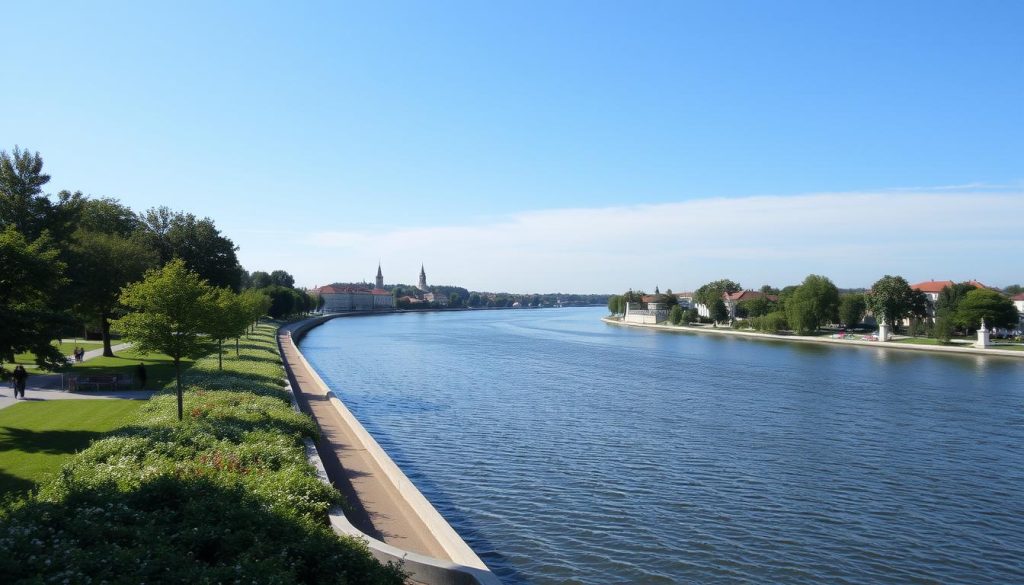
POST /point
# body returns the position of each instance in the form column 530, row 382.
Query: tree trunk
column 105, row 328
column 236, row 347
column 220, row 354
column 177, row 377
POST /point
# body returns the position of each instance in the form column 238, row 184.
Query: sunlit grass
column 36, row 438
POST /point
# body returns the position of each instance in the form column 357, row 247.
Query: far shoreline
column 990, row 352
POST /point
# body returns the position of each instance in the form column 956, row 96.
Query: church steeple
column 380, row 277
column 422, row 285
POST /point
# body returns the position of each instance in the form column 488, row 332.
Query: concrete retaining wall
column 465, row 566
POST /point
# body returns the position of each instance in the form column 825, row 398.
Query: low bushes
column 770, row 323
column 224, row 496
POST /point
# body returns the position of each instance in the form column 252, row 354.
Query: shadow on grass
column 51, row 442
column 196, row 529
column 12, row 486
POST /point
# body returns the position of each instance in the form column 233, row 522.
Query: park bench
column 95, row 381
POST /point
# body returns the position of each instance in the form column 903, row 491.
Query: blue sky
column 497, row 143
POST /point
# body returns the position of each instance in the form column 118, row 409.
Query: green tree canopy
column 891, row 299
column 170, row 311
column 23, row 204
column 615, row 304
column 756, row 307
column 108, row 216
column 950, row 296
column 814, row 303
column 675, row 316
column 30, row 278
column 230, row 318
column 719, row 312
column 851, row 309
column 196, row 241
column 708, row 293
column 994, row 308
column 101, row 265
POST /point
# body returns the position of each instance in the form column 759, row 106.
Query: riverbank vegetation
column 224, row 495
column 67, row 257
column 816, row 304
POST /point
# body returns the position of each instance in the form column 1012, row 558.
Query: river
column 567, row 450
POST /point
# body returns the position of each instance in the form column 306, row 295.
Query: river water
column 566, row 450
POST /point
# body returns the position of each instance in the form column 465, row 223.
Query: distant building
column 731, row 301
column 340, row 298
column 646, row 313
column 1018, row 301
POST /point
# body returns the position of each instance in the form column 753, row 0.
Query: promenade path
column 379, row 510
column 43, row 387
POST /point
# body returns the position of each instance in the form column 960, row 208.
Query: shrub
column 675, row 316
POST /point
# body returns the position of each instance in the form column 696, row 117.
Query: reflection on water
column 566, row 450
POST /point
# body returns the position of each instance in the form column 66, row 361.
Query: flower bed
column 224, row 496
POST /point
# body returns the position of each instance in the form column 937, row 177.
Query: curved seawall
column 435, row 552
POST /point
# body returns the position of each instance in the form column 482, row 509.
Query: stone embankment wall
column 465, row 567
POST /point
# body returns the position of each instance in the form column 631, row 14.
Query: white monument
column 883, row 331
column 983, row 339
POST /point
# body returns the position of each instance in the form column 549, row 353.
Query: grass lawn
column 28, row 359
column 926, row 341
column 37, row 437
column 159, row 367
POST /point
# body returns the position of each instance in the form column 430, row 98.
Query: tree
column 890, row 299
column 230, row 318
column 851, row 309
column 1013, row 289
column 943, row 325
column 675, row 316
column 103, row 263
column 950, row 297
column 474, row 299
column 260, row 279
column 691, row 316
column 108, row 216
column 707, row 294
column 256, row 305
column 30, row 278
column 454, row 300
column 994, row 308
column 813, row 303
column 756, row 307
column 719, row 312
column 282, row 278
column 23, row 204
column 196, row 241
column 170, row 310
column 615, row 304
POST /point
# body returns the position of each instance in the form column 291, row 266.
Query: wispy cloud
column 852, row 237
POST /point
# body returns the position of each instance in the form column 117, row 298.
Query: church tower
column 380, row 277
column 423, row 280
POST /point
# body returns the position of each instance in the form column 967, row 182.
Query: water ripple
column 568, row 451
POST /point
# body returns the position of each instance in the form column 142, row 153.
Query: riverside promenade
column 991, row 351
column 383, row 505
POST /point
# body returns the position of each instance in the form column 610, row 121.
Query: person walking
column 19, row 375
column 140, row 375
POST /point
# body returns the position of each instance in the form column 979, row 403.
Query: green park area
column 159, row 367
column 36, row 438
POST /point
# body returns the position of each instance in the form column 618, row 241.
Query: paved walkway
column 43, row 387
column 380, row 511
